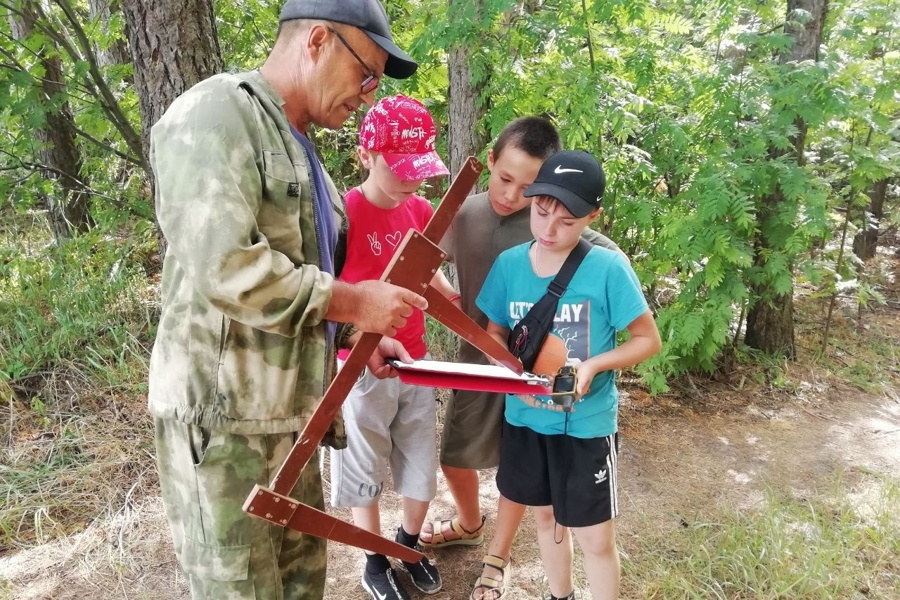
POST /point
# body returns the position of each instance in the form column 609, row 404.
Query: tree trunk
column 770, row 321
column 58, row 155
column 466, row 136
column 866, row 241
column 173, row 46
column 118, row 52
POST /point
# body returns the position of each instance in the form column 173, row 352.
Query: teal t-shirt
column 603, row 297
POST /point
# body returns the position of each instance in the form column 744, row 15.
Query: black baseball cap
column 367, row 15
column 573, row 177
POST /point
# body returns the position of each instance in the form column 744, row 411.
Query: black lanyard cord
column 567, row 461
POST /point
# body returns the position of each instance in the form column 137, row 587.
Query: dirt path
column 676, row 461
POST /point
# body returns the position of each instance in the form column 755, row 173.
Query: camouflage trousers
column 205, row 477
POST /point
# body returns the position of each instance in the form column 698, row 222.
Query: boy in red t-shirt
column 388, row 423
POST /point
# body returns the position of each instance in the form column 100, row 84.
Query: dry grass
column 75, row 454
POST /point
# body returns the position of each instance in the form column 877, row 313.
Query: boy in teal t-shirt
column 564, row 463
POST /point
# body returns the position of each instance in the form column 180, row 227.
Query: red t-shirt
column 372, row 239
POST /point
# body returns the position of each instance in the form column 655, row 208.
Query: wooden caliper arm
column 413, row 266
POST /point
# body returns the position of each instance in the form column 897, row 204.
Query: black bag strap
column 526, row 338
column 559, row 284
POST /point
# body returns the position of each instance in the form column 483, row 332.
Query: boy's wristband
column 454, row 297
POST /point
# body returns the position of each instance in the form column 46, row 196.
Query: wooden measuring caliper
column 413, row 266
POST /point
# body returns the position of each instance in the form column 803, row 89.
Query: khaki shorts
column 205, row 478
column 389, row 424
column 472, row 423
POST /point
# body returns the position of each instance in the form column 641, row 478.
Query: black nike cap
column 573, row 177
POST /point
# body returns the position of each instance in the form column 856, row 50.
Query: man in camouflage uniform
column 246, row 339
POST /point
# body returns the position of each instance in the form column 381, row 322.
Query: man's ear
column 316, row 37
column 593, row 216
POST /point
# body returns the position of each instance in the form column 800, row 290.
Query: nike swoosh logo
column 375, row 593
column 558, row 170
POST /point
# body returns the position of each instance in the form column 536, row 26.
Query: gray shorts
column 472, row 423
column 388, row 424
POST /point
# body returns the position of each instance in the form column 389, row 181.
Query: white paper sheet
column 452, row 368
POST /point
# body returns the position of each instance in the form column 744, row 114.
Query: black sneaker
column 424, row 575
column 383, row 585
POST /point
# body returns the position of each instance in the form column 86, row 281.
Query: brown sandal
column 491, row 584
column 466, row 537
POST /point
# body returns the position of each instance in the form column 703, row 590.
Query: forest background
column 752, row 151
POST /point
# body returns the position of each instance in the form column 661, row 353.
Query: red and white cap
column 402, row 131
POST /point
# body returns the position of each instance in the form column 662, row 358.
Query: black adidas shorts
column 577, row 476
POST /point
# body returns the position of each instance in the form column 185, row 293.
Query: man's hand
column 385, row 308
column 387, row 348
column 373, row 306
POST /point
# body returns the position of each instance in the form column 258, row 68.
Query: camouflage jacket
column 241, row 344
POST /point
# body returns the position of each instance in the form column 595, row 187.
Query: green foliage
column 106, row 162
column 862, row 146
column 246, row 31
column 80, row 303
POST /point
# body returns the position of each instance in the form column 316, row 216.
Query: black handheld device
column 564, row 387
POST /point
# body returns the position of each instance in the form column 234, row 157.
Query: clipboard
column 467, row 376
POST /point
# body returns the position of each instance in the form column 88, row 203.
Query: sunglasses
column 369, row 83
